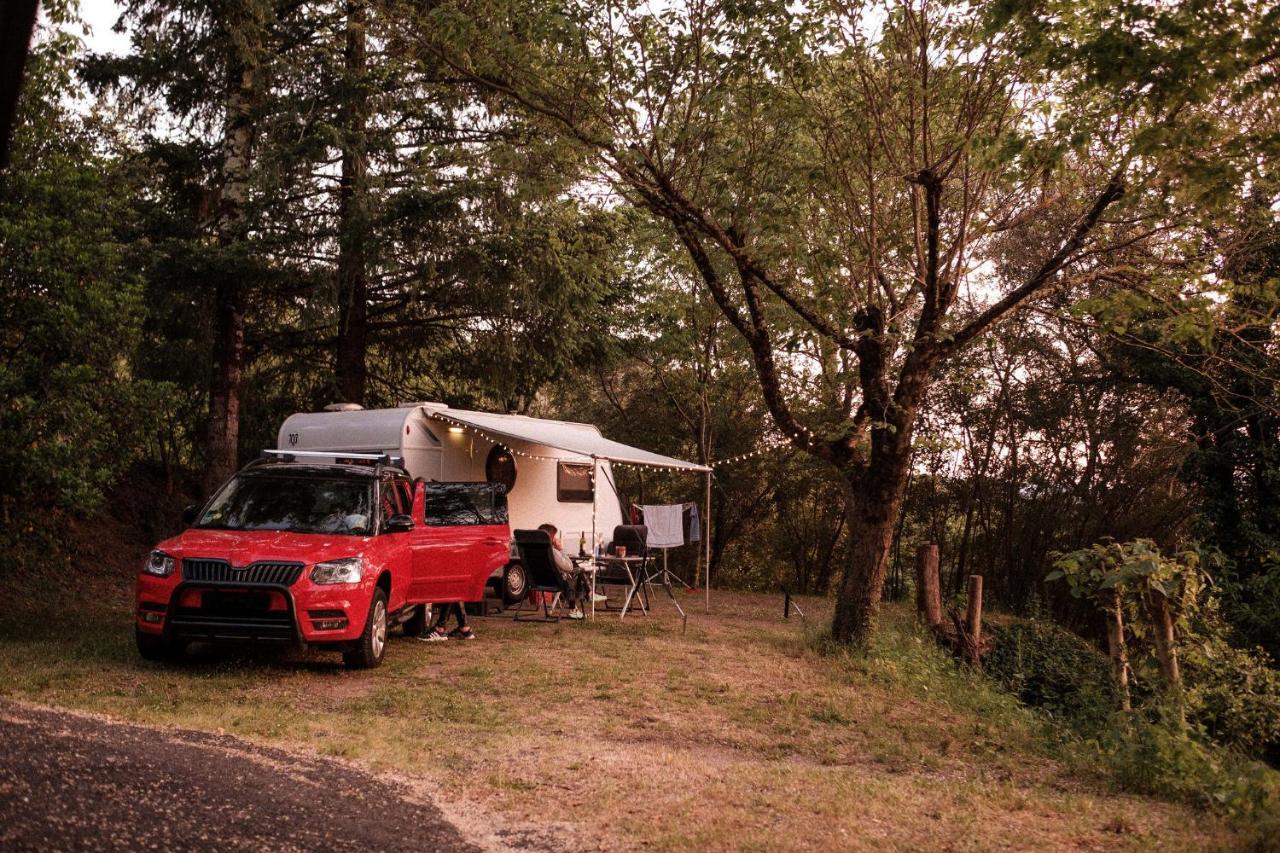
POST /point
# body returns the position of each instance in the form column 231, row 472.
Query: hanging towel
column 665, row 523
column 695, row 524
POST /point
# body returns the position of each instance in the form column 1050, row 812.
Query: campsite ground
column 737, row 734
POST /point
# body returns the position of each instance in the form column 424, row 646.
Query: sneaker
column 576, row 613
column 434, row 637
column 599, row 599
column 463, row 633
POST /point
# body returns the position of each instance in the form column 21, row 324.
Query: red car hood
column 243, row 547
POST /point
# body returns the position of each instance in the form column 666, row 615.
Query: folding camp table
column 634, row 591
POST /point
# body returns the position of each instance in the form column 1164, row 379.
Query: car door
column 445, row 547
column 492, row 548
column 395, row 497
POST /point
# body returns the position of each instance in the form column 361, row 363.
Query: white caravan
column 556, row 472
column 545, row 484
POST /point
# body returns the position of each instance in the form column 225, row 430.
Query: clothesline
column 666, row 523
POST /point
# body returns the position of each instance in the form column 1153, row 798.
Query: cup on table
column 620, row 550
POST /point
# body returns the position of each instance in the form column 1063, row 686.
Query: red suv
column 320, row 554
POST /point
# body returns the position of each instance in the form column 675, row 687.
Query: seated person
column 575, row 583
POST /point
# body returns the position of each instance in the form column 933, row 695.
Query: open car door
column 461, row 538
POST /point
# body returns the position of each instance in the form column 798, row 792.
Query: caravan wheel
column 515, row 585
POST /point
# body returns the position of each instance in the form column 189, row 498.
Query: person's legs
column 438, row 631
column 463, row 630
column 573, row 595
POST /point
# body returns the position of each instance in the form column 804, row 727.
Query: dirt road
column 74, row 782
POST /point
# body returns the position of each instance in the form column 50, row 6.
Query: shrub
column 1233, row 696
column 1155, row 756
column 1050, row 668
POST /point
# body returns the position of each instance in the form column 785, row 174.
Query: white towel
column 666, row 525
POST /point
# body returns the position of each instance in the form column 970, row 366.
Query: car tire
column 155, row 647
column 416, row 625
column 372, row 644
column 515, row 585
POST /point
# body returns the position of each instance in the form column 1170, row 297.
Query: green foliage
column 1130, row 572
column 1214, row 352
column 1155, row 756
column 1251, row 601
column 1050, row 668
column 1136, row 565
column 1233, row 696
column 71, row 304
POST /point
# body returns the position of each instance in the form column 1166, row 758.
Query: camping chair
column 535, row 552
column 634, row 576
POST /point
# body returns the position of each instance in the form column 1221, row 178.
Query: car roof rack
column 337, row 456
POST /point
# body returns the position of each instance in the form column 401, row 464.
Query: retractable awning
column 584, row 439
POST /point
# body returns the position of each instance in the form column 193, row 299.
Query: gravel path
column 69, row 781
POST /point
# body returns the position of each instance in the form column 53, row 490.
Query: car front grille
column 237, row 614
column 221, row 572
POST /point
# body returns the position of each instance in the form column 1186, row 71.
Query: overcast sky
column 101, row 15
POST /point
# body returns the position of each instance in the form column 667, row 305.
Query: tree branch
column 1043, row 276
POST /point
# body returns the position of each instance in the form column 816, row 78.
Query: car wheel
column 155, row 647
column 515, row 585
column 373, row 640
column 416, row 625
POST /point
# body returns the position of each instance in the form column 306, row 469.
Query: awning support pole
column 707, row 535
column 594, row 462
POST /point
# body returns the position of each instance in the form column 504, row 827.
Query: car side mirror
column 399, row 524
column 189, row 515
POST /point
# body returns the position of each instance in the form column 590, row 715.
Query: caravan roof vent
column 344, row 407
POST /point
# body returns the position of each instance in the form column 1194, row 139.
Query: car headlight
column 159, row 564
column 346, row 570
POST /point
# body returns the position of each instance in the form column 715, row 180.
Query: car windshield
column 294, row 502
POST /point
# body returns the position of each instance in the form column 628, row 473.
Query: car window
column 499, row 506
column 405, row 489
column 389, row 501
column 453, row 504
column 294, row 502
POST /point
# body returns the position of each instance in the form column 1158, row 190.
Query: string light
column 467, row 428
column 776, row 444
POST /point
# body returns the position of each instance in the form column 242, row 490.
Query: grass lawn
column 735, row 735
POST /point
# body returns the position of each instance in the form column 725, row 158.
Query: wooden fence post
column 973, row 619
column 928, row 589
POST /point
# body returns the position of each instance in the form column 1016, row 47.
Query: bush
column 1155, row 756
column 1050, row 668
column 1233, row 696
column 1252, row 604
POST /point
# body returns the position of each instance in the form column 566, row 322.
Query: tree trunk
column 874, row 493
column 871, row 509
column 353, row 214
column 229, row 300
column 1162, row 629
column 1116, row 646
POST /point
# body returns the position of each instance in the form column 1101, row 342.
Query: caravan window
column 500, row 467
column 573, row 483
